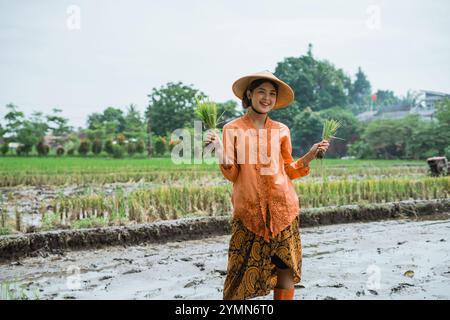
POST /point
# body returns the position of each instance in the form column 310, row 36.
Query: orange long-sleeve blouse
column 260, row 166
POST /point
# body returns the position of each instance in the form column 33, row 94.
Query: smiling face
column 263, row 97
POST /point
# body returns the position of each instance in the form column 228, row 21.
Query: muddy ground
column 393, row 259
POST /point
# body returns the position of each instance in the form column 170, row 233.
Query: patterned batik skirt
column 252, row 262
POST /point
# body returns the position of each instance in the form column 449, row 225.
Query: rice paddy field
column 58, row 193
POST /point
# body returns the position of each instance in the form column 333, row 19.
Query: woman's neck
column 258, row 119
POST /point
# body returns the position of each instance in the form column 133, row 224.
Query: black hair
column 246, row 102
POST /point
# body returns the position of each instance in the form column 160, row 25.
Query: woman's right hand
column 212, row 137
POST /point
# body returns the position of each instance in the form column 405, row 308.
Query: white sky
column 125, row 48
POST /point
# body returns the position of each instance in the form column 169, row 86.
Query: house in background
column 428, row 100
column 424, row 106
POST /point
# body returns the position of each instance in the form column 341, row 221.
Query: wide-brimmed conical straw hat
column 285, row 94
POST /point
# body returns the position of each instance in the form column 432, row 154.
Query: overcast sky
column 120, row 50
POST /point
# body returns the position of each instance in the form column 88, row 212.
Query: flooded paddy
column 392, row 259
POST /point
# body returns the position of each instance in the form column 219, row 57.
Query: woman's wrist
column 307, row 158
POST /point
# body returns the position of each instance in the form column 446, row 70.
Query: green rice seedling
column 11, row 290
column 18, row 219
column 171, row 202
column 206, row 111
column 3, row 213
column 94, row 222
column 330, row 127
column 50, row 222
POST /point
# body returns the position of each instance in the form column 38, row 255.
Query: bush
column 431, row 153
column 97, row 146
column 118, row 151
column 83, row 148
column 140, row 146
column 4, row 148
column 160, row 145
column 23, row 149
column 42, row 148
column 360, row 150
column 447, row 152
column 131, row 148
column 121, row 139
column 71, row 147
column 60, row 150
column 109, row 147
column 173, row 143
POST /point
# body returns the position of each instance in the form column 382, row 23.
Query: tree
column 30, row 132
column 386, row 98
column 14, row 120
column 39, row 123
column 97, row 146
column 349, row 130
column 95, row 121
column 140, row 146
column 407, row 138
column 160, row 145
column 287, row 115
column 113, row 118
column 443, row 113
column 26, row 137
column 131, row 148
column 134, row 124
column 110, row 122
column 2, row 132
column 442, row 135
column 42, row 148
column 411, row 99
column 57, row 124
column 360, row 150
column 171, row 107
column 83, row 148
column 317, row 83
column 360, row 92
column 4, row 148
column 420, row 138
column 361, row 88
column 121, row 139
column 118, row 151
column 109, row 147
column 306, row 130
column 228, row 111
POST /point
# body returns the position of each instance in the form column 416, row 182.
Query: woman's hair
column 246, row 102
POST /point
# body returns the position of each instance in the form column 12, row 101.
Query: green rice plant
column 51, row 221
column 18, row 215
column 94, row 222
column 98, row 172
column 330, row 127
column 206, row 111
column 10, row 290
column 171, row 202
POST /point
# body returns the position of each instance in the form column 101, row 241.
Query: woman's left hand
column 320, row 146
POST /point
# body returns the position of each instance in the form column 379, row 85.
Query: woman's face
column 263, row 97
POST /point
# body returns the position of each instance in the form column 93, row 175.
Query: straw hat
column 285, row 94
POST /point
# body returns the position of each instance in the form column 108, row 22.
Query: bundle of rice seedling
column 206, row 111
column 330, row 127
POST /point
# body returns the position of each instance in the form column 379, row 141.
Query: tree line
column 323, row 91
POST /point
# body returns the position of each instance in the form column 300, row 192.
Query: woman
column 255, row 154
